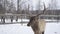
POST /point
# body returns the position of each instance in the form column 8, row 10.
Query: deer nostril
column 28, row 25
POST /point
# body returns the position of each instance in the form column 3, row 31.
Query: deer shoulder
column 42, row 24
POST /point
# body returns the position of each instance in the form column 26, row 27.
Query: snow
column 15, row 29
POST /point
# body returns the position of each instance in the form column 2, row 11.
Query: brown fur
column 37, row 25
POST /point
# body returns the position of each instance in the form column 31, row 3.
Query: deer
column 37, row 24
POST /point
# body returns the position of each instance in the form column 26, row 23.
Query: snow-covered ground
column 51, row 28
column 15, row 29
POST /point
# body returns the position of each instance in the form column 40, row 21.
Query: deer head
column 34, row 19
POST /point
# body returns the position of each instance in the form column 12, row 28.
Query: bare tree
column 53, row 4
column 2, row 9
column 10, row 8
